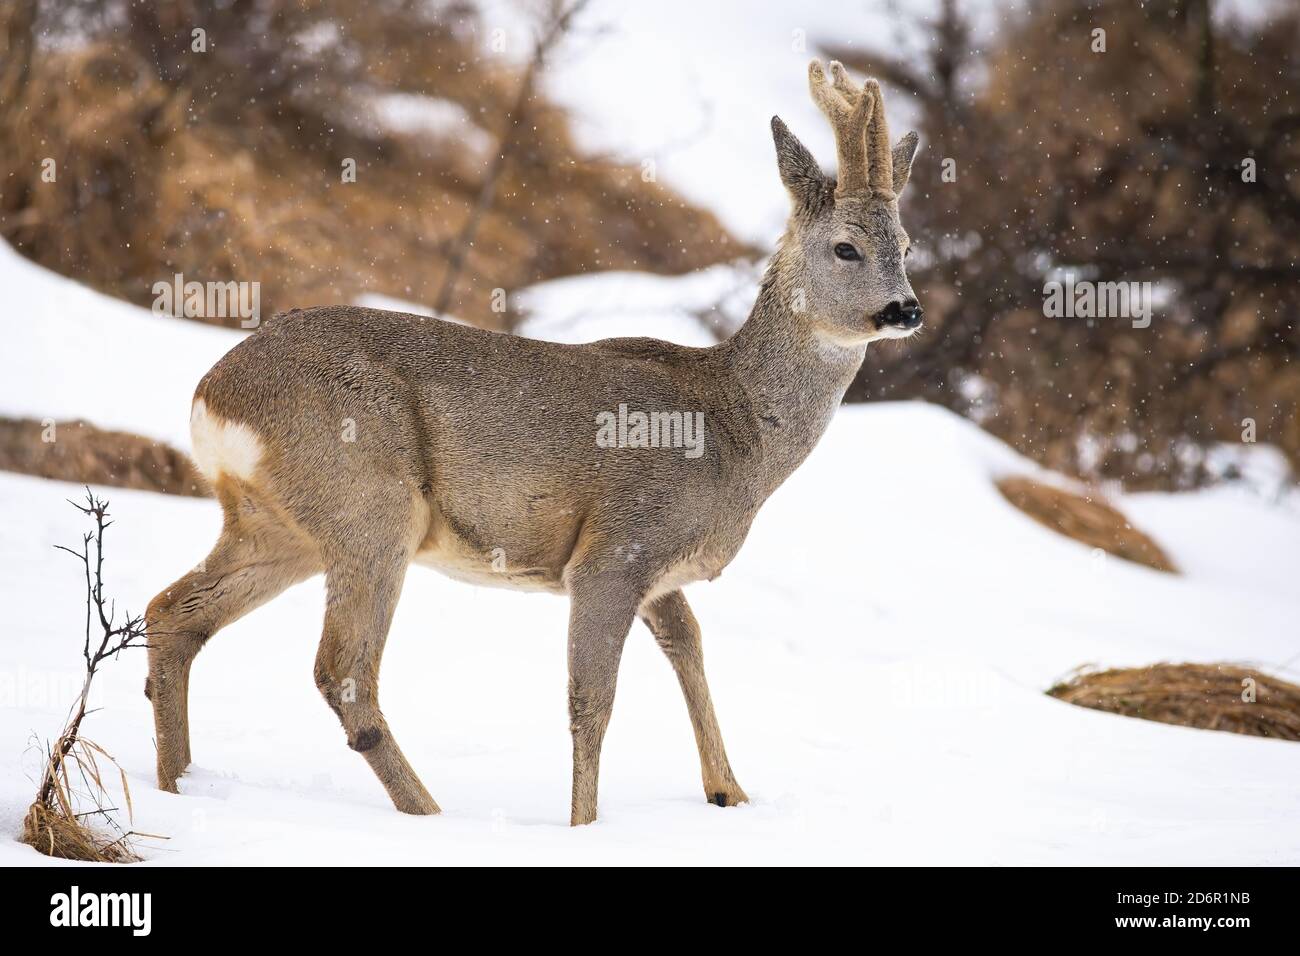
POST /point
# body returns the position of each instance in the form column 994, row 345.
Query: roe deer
column 480, row 454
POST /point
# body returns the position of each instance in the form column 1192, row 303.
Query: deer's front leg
column 600, row 616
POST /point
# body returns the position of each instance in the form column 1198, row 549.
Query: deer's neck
column 792, row 379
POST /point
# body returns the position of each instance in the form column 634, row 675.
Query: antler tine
column 880, row 159
column 841, row 80
column 849, row 110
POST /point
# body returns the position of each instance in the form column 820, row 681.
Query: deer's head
column 844, row 243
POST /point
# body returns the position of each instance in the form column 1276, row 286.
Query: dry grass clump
column 1087, row 520
column 55, row 827
column 86, row 454
column 1209, row 696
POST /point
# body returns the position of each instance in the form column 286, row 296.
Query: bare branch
column 557, row 24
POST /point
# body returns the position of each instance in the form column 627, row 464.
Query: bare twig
column 557, row 23
column 53, row 824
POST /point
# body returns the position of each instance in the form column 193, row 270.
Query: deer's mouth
column 896, row 331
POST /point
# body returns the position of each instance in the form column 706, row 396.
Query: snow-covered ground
column 878, row 654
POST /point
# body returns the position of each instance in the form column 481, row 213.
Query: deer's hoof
column 728, row 798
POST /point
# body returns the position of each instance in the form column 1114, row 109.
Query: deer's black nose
column 904, row 315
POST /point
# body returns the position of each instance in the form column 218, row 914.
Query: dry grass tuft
column 1209, row 696
column 1088, row 520
column 95, row 456
column 54, row 827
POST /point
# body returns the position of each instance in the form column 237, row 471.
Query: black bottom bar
column 1224, row 907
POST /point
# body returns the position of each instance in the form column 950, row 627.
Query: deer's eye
column 844, row 250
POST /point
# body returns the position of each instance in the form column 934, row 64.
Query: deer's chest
column 704, row 559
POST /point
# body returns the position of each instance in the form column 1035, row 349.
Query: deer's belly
column 493, row 570
column 476, row 551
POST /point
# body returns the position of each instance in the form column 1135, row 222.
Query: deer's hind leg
column 678, row 634
column 363, row 584
column 256, row 557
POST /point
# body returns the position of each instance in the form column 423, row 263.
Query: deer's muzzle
column 905, row 314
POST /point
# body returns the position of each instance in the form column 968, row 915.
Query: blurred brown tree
column 225, row 163
column 1124, row 165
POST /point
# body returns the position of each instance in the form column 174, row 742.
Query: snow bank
column 614, row 304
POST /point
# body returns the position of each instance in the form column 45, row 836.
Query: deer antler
column 857, row 117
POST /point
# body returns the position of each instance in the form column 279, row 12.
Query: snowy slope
column 691, row 86
column 878, row 654
column 61, row 339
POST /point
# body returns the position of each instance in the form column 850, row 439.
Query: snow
column 440, row 119
column 62, row 339
column 878, row 654
column 613, row 304
column 693, row 85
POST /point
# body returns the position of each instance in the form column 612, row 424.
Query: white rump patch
column 222, row 447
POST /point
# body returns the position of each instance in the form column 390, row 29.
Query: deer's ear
column 799, row 171
column 903, row 155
